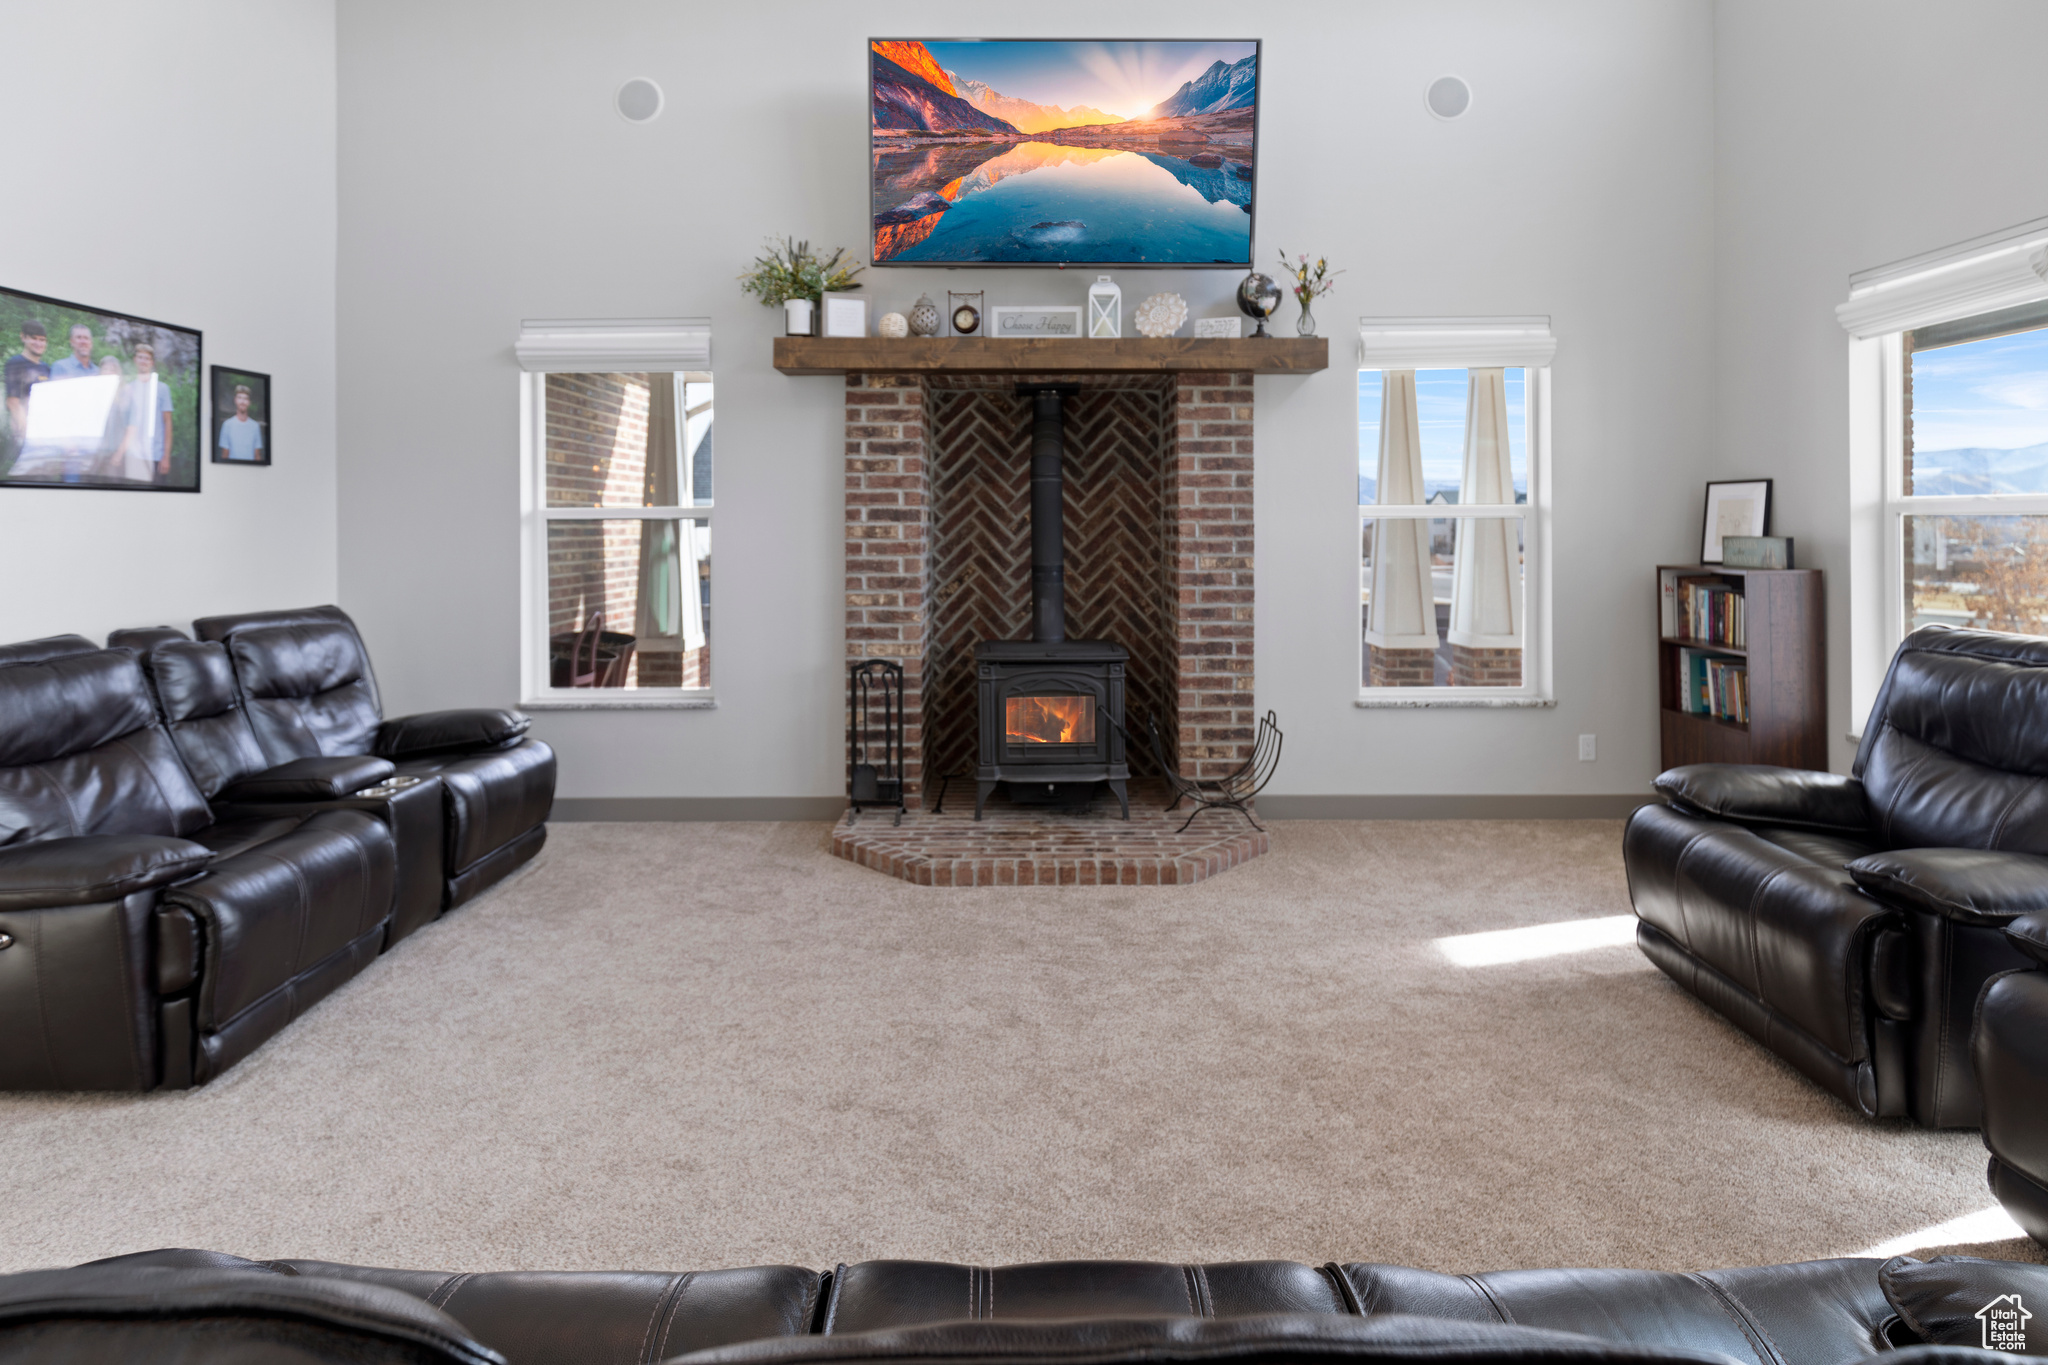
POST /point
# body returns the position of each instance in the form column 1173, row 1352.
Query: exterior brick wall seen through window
column 596, row 456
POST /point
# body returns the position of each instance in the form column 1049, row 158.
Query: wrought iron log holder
column 1233, row 791
column 874, row 737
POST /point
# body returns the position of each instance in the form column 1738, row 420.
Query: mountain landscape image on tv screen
column 1040, row 152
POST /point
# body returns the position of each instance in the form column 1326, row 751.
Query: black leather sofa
column 306, row 684
column 147, row 1305
column 2010, row 1042
column 144, row 940
column 189, row 862
column 1848, row 923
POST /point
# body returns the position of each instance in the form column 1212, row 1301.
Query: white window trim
column 1524, row 343
column 544, row 347
column 1999, row 270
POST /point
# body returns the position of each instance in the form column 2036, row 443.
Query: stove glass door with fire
column 1067, row 719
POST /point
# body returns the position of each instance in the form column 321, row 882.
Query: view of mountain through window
column 1978, row 417
column 1976, row 426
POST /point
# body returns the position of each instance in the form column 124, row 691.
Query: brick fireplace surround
column 1158, row 559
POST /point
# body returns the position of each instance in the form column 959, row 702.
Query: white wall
column 484, row 178
column 176, row 161
column 1850, row 133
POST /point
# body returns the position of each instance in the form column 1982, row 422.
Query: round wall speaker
column 1448, row 97
column 639, row 100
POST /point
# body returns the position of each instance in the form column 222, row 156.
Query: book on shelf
column 1710, row 685
column 1698, row 607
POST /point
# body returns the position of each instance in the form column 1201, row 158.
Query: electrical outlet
column 1586, row 754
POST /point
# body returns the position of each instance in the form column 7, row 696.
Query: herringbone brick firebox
column 1158, row 508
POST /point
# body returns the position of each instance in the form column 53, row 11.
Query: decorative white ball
column 1161, row 315
column 893, row 325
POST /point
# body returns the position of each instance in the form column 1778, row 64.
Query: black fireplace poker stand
column 874, row 737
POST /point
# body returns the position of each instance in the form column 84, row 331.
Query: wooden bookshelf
column 1785, row 650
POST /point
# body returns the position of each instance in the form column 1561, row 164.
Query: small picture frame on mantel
column 1039, row 320
column 845, row 317
column 1735, row 508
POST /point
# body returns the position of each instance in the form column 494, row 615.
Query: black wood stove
column 1051, row 709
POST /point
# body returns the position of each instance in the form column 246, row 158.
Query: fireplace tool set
column 874, row 737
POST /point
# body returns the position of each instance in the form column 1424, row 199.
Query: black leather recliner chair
column 203, row 710
column 306, row 684
column 2011, row 1047
column 143, row 941
column 1848, row 923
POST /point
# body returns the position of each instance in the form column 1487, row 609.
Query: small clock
column 966, row 313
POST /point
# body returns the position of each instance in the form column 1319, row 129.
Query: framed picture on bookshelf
column 1741, row 508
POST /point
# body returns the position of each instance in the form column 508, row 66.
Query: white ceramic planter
column 799, row 318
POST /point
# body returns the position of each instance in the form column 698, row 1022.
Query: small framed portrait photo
column 241, row 416
column 1734, row 509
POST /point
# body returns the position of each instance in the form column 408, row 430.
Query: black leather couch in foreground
column 1816, row 1313
column 1848, row 923
column 2011, row 1043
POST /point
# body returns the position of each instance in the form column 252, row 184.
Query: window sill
column 670, row 702
column 1381, row 701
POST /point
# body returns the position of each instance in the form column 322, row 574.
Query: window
column 1949, row 438
column 619, row 508
column 1450, row 479
column 1973, row 472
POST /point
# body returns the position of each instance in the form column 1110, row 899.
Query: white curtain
column 1403, row 614
column 1486, row 598
column 696, row 536
column 658, row 615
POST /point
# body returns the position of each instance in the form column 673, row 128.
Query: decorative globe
column 924, row 317
column 893, row 325
column 1259, row 297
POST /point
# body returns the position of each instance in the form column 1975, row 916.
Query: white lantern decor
column 1105, row 308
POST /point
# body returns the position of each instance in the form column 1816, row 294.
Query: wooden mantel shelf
column 1049, row 355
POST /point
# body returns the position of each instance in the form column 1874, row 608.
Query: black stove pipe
column 1048, row 512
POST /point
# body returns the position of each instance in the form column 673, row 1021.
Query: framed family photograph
column 97, row 399
column 1734, row 509
column 241, row 416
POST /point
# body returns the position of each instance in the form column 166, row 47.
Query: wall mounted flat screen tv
column 1030, row 151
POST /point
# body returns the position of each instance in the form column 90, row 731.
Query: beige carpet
column 686, row 1046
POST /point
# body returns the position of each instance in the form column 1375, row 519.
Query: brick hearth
column 1159, row 559
column 1016, row 845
